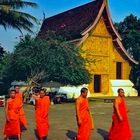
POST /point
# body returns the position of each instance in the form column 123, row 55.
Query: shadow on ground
column 103, row 133
column 71, row 135
column 13, row 138
column 36, row 135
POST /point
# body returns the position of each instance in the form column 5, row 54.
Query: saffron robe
column 23, row 121
column 12, row 127
column 41, row 113
column 120, row 130
column 86, row 123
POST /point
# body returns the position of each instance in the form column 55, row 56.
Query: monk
column 120, row 129
column 23, row 122
column 83, row 116
column 12, row 125
column 41, row 113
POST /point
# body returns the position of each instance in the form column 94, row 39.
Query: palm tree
column 11, row 15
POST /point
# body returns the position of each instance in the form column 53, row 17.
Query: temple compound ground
column 63, row 122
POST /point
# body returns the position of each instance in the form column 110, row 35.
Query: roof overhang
column 104, row 9
column 120, row 48
column 83, row 34
column 110, row 26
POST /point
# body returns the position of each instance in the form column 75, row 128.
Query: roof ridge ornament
column 105, row 2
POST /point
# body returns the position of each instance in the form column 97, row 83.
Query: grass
column 63, row 122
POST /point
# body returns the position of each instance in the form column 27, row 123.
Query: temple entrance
column 97, row 83
column 119, row 70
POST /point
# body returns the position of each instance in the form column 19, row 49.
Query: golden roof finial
column 105, row 2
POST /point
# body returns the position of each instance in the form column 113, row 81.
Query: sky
column 119, row 9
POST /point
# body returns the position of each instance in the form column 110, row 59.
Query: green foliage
column 130, row 32
column 12, row 16
column 52, row 59
column 129, row 29
column 5, row 72
column 1, row 52
column 65, row 63
column 30, row 59
column 4, row 65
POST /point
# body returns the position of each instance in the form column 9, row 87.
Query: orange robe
column 85, row 117
column 41, row 113
column 120, row 130
column 12, row 127
column 23, row 121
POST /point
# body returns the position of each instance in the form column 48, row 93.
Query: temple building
column 91, row 28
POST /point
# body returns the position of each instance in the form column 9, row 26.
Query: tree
column 1, row 52
column 129, row 29
column 12, row 16
column 52, row 59
column 64, row 62
column 130, row 32
column 29, row 59
column 5, row 72
column 27, row 62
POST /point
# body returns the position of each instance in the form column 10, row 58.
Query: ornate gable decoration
column 75, row 25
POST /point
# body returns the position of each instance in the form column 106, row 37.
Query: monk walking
column 120, row 129
column 41, row 113
column 12, row 124
column 19, row 97
column 83, row 116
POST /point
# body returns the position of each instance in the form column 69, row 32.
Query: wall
column 101, row 57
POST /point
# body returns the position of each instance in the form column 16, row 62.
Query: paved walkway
column 63, row 122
